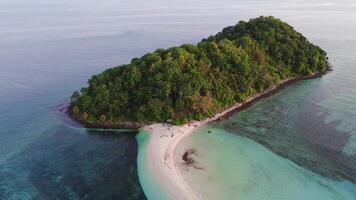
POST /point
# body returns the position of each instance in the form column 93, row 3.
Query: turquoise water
column 234, row 167
column 50, row 48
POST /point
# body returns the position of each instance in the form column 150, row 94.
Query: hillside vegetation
column 192, row 82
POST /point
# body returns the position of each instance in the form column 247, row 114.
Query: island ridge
column 194, row 82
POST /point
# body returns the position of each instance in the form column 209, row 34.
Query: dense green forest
column 192, row 82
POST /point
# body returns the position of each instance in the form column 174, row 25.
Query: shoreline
column 164, row 138
column 269, row 92
column 231, row 110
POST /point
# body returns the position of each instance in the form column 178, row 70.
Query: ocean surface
column 298, row 144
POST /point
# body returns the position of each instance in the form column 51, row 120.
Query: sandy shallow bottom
column 228, row 166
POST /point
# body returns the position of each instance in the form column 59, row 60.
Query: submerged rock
column 75, row 97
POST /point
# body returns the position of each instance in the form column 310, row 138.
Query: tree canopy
column 193, row 82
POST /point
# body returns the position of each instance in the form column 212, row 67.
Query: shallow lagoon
column 229, row 166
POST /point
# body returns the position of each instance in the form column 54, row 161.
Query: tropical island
column 194, row 82
column 170, row 93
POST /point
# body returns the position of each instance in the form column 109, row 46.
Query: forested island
column 194, row 82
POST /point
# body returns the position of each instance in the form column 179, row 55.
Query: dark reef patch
column 189, row 160
column 73, row 164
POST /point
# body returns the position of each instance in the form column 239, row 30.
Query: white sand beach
column 165, row 138
column 161, row 150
